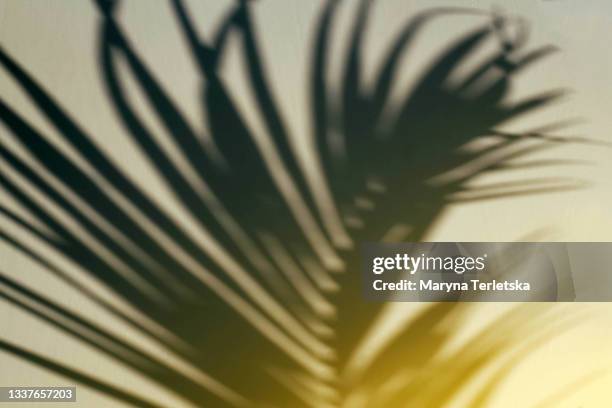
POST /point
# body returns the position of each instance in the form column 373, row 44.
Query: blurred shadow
column 272, row 291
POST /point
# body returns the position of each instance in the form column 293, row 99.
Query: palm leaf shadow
column 253, row 315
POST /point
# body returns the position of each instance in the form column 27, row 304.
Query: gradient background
column 56, row 42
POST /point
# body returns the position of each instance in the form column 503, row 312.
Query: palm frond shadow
column 269, row 310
